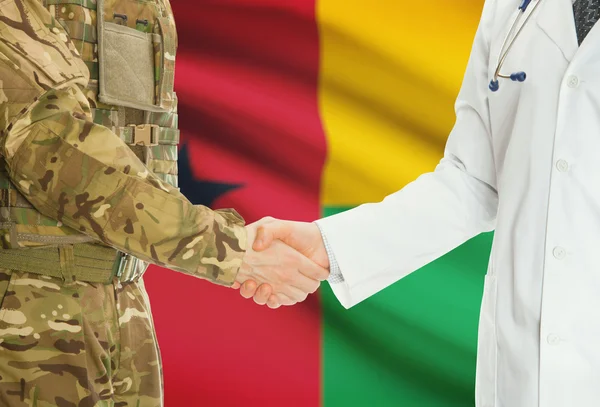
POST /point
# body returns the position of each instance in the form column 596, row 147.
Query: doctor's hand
column 287, row 274
column 302, row 236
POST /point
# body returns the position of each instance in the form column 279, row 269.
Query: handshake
column 284, row 262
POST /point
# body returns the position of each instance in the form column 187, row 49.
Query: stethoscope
column 507, row 45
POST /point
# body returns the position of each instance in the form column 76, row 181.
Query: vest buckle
column 144, row 134
column 126, row 268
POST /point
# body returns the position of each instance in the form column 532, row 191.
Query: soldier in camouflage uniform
column 88, row 197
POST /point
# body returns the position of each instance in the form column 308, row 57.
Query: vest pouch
column 126, row 59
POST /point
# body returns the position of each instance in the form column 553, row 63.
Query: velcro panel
column 126, row 67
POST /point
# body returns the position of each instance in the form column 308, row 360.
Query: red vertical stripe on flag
column 247, row 74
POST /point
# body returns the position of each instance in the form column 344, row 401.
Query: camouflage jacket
column 83, row 176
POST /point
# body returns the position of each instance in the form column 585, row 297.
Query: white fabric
column 525, row 161
column 335, row 274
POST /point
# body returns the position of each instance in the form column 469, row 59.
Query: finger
column 294, row 294
column 262, row 295
column 273, row 302
column 266, row 219
column 268, row 232
column 236, row 285
column 312, row 270
column 248, row 289
column 277, row 300
column 285, row 300
column 302, row 283
column 263, row 240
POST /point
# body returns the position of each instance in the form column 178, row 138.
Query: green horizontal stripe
column 83, row 3
column 332, row 210
column 414, row 343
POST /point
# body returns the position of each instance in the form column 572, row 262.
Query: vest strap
column 148, row 135
column 86, row 262
column 11, row 198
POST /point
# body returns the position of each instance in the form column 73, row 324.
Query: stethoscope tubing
column 508, row 44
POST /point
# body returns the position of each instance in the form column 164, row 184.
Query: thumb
column 267, row 233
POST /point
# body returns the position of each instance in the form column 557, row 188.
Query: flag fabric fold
column 299, row 109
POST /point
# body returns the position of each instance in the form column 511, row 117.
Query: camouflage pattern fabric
column 79, row 21
column 67, row 177
column 165, row 63
column 76, row 345
column 80, row 173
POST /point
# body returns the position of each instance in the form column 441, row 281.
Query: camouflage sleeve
column 85, row 176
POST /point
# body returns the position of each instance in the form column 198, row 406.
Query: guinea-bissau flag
column 299, row 109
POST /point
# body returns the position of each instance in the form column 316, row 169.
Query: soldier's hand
column 286, row 275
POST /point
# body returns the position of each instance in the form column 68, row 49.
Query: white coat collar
column 556, row 19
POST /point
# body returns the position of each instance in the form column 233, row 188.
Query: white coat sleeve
column 377, row 244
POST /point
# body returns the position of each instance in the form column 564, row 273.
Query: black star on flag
column 199, row 192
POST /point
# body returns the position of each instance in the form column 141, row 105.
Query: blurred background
column 300, row 109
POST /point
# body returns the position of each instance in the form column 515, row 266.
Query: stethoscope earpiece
column 524, row 5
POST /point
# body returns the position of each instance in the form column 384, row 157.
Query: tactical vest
column 129, row 48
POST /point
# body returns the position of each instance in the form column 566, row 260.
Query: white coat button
column 553, row 339
column 559, row 253
column 573, row 81
column 562, row 165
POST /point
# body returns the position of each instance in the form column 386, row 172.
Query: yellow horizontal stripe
column 390, row 71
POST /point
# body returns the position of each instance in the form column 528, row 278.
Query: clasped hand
column 284, row 262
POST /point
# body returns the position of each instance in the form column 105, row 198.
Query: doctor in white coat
column 524, row 159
